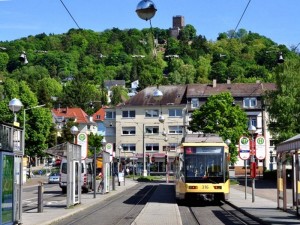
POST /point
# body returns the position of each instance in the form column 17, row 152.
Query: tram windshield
column 204, row 163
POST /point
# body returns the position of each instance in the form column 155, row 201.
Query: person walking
column 101, row 184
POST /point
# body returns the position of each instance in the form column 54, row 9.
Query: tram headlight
column 193, row 187
column 217, row 187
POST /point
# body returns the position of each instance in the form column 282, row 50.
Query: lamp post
column 271, row 160
column 15, row 106
column 24, row 132
column 74, row 130
column 119, row 161
column 146, row 9
column 252, row 130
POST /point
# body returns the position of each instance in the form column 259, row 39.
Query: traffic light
column 166, row 159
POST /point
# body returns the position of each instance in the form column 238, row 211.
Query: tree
column 48, row 88
column 95, row 143
column 283, row 103
column 119, row 95
column 219, row 115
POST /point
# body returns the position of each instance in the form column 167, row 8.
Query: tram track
column 217, row 214
column 133, row 200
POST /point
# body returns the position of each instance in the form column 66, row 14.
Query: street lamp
column 119, row 161
column 252, row 130
column 24, row 131
column 15, row 106
column 74, row 130
column 146, row 9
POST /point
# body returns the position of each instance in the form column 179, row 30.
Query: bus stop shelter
column 288, row 175
column 11, row 174
column 73, row 154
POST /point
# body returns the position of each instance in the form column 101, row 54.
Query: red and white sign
column 260, row 146
column 244, row 148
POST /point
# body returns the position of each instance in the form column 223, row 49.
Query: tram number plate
column 205, row 187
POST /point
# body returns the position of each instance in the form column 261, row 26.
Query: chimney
column 214, row 83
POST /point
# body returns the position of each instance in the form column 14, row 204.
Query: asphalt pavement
column 263, row 209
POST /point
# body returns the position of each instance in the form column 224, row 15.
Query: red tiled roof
column 77, row 113
column 99, row 115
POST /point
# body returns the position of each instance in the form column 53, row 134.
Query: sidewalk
column 52, row 213
column 264, row 209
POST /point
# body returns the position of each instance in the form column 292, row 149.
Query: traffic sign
column 244, row 148
column 260, row 145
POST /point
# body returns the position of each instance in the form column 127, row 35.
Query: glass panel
column 7, row 188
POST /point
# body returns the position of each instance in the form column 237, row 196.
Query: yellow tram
column 202, row 169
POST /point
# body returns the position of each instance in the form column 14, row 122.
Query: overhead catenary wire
column 70, row 14
column 240, row 19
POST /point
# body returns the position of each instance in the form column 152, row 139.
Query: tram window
column 204, row 165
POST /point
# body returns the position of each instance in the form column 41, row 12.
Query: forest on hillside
column 69, row 70
column 73, row 66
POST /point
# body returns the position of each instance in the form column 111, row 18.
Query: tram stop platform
column 264, row 208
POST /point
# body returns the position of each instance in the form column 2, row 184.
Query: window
column 128, row 130
column 151, row 113
column 253, row 121
column 195, row 103
column 170, row 147
column 173, row 146
column 152, row 147
column 272, row 143
column 110, row 115
column 175, row 112
column 128, row 114
column 128, row 147
column 250, row 102
column 175, row 130
column 152, row 130
column 98, row 117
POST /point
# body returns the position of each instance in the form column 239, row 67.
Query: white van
column 86, row 175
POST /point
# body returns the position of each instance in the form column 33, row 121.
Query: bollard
column 40, row 197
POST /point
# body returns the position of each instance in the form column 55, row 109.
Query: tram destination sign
column 244, row 148
column 260, row 145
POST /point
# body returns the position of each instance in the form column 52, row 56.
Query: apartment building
column 136, row 130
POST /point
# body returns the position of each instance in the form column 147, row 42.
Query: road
column 121, row 208
column 52, row 193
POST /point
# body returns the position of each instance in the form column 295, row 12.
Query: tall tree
column 219, row 115
column 283, row 103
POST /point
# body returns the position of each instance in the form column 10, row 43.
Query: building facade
column 137, row 132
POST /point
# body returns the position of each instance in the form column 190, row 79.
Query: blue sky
column 275, row 19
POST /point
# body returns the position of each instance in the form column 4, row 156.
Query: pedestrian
column 101, row 184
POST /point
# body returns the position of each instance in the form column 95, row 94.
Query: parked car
column 54, row 178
